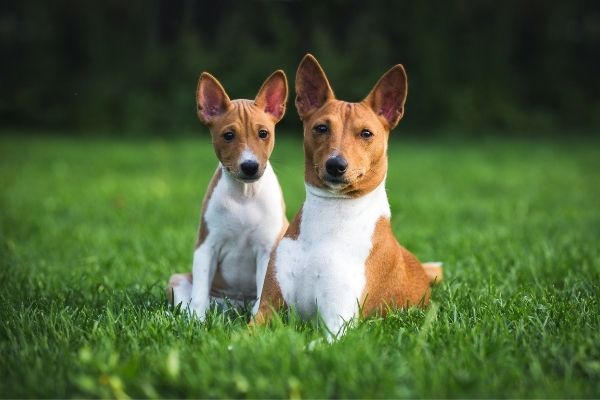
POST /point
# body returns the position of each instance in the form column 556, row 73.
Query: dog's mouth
column 340, row 183
column 246, row 179
column 334, row 181
column 241, row 177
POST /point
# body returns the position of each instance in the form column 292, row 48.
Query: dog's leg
column 179, row 290
column 205, row 264
column 262, row 262
column 337, row 317
column 336, row 326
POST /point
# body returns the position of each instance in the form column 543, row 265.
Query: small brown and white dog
column 339, row 257
column 243, row 212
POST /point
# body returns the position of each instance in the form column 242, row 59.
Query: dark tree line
column 131, row 66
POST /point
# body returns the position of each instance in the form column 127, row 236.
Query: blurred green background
column 130, row 67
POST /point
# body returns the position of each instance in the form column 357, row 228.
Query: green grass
column 91, row 230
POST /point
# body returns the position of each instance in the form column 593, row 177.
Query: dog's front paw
column 197, row 310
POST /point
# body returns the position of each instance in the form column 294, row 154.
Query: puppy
column 243, row 212
column 339, row 257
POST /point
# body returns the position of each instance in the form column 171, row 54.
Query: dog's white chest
column 324, row 268
column 241, row 229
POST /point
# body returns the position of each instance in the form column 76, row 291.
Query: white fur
column 247, row 155
column 244, row 221
column 323, row 270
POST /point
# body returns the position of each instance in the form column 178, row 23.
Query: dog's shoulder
column 203, row 230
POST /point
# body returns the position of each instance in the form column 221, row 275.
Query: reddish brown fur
column 367, row 159
column 316, row 104
column 203, row 231
column 395, row 278
column 245, row 118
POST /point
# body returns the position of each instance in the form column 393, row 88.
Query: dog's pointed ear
column 211, row 99
column 273, row 94
column 312, row 87
column 388, row 96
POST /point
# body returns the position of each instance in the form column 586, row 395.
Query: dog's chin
column 334, row 184
column 246, row 179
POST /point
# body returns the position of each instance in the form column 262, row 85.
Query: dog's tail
column 434, row 272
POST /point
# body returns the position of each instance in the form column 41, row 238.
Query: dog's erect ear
column 211, row 99
column 273, row 94
column 312, row 87
column 388, row 96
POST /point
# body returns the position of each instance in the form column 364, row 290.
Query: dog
column 243, row 212
column 339, row 258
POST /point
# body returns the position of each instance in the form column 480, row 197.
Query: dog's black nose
column 336, row 166
column 249, row 168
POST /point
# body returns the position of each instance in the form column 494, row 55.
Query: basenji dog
column 243, row 212
column 339, row 258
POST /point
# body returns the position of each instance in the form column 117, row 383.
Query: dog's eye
column 366, row 134
column 321, row 128
column 263, row 134
column 228, row 136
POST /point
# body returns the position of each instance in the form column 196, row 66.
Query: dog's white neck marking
column 324, row 193
column 324, row 268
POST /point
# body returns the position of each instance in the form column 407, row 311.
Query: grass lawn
column 90, row 230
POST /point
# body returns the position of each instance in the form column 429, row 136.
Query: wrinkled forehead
column 244, row 115
column 346, row 116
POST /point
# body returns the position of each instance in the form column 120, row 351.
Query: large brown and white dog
column 339, row 257
column 243, row 213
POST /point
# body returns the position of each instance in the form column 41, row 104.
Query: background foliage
column 115, row 66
